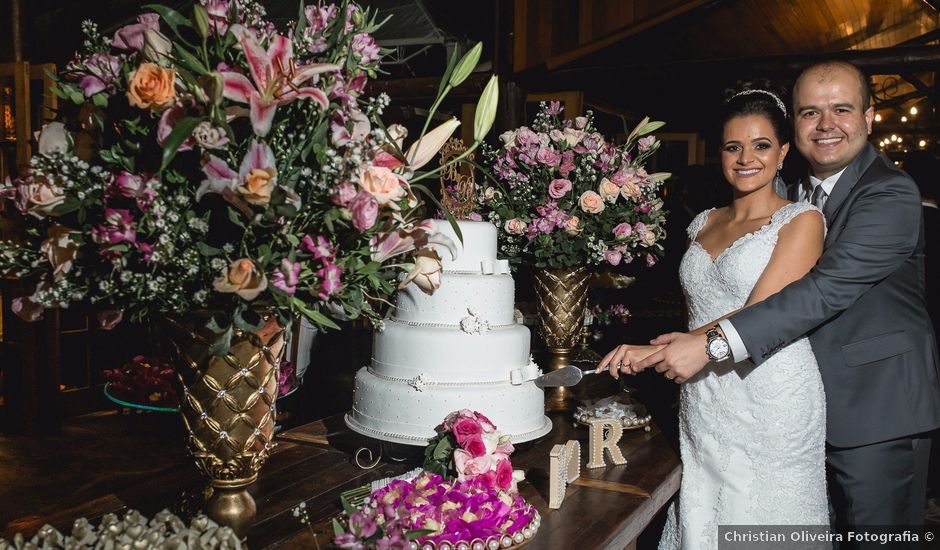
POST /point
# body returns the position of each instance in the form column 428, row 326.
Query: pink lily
column 402, row 241
column 220, row 177
column 275, row 80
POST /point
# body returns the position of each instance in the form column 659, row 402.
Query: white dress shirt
column 738, row 349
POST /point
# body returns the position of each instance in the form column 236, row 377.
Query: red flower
column 474, row 445
column 466, row 427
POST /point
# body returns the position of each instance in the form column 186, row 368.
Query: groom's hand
column 682, row 358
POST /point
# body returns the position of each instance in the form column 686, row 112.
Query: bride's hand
column 623, row 357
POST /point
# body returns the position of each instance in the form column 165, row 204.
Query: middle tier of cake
column 447, row 354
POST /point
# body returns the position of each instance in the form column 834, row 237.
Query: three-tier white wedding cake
column 460, row 348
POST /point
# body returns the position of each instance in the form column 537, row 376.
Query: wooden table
column 604, row 508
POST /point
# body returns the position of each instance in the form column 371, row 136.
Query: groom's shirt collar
column 828, row 184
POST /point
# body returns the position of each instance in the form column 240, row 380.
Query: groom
column 863, row 307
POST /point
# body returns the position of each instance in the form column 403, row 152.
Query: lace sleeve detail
column 698, row 223
column 787, row 213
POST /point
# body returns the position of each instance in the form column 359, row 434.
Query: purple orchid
column 275, row 80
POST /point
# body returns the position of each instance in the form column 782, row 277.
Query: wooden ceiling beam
column 559, row 60
column 878, row 61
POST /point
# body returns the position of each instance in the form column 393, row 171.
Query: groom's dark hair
column 825, row 67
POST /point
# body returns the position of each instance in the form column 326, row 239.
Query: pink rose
column 468, row 467
column 558, row 188
column 567, row 164
column 548, row 156
column 573, row 225
column 622, row 230
column 383, row 184
column 365, row 210
column 526, row 137
column 515, row 226
column 343, row 194
column 609, row 190
column 591, row 202
column 44, row 197
column 504, row 475
column 474, row 445
column 613, row 256
column 485, row 423
column 465, row 428
column 505, row 448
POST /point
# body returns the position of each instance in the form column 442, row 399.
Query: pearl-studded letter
column 564, row 467
column 605, row 434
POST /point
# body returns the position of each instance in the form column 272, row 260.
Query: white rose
column 209, row 136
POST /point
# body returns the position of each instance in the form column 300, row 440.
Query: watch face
column 718, row 348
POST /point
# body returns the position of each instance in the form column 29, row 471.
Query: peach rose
column 630, row 189
column 514, row 226
column 43, row 198
column 384, row 185
column 60, row 250
column 573, row 225
column 609, row 190
column 258, row 185
column 243, row 278
column 426, row 273
column 591, row 202
column 152, row 87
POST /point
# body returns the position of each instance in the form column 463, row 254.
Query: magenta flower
column 465, row 428
column 275, row 80
column 286, row 277
column 321, row 248
column 474, row 445
column 504, row 474
column 103, row 70
column 330, row 280
column 118, row 227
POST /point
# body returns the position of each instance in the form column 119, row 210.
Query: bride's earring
column 780, row 167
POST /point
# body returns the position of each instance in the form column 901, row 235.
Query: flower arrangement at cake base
column 431, row 513
column 467, row 497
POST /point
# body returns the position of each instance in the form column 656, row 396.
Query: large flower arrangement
column 214, row 162
column 430, row 510
column 564, row 195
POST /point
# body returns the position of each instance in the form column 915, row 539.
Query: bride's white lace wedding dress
column 752, row 439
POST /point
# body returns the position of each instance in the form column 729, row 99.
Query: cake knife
column 565, row 376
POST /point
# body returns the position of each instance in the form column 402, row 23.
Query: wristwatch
column 716, row 347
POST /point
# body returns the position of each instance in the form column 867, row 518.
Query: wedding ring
column 669, row 377
column 619, row 365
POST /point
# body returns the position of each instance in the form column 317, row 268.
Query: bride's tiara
column 767, row 93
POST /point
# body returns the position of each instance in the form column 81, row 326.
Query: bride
column 752, row 440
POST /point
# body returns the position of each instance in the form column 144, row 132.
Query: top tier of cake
column 478, row 246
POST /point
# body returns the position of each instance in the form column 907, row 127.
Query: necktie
column 819, row 197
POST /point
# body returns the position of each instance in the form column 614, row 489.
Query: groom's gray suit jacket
column 863, row 306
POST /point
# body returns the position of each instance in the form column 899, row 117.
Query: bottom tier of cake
column 393, row 410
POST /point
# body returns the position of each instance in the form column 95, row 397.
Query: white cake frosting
column 460, row 348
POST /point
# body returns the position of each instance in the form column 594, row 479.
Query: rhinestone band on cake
column 458, row 348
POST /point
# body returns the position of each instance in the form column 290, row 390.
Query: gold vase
column 562, row 298
column 228, row 409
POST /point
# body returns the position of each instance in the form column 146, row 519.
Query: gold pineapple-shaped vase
column 228, row 408
column 562, row 299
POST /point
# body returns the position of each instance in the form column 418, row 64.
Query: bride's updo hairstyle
column 759, row 102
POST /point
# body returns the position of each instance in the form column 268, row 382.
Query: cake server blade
column 565, row 376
